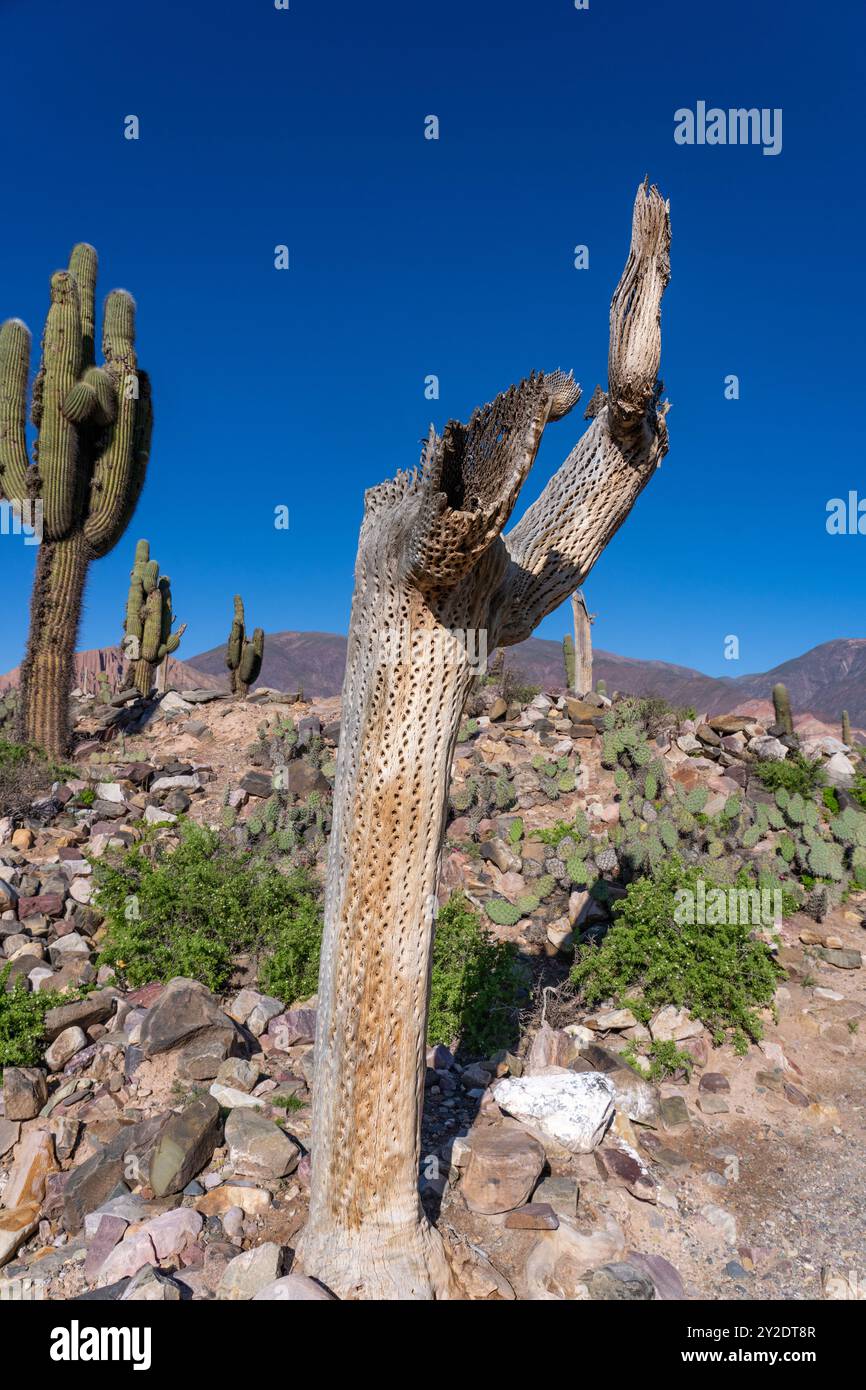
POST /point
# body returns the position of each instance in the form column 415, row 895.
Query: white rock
column 767, row 748
column 172, row 703
column 572, row 1108
column 674, row 1025
column 231, row 1098
column 722, row 1221
column 67, row 947
column 64, row 1047
column 81, row 890
column 185, row 782
column 110, row 791
column 839, row 770
column 155, row 815
column 247, row 1274
column 689, row 744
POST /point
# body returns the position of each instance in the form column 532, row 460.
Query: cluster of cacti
column 147, row 636
column 782, row 707
column 556, row 776
column 296, row 829
column 486, row 793
column 93, row 427
column 243, row 657
column 506, row 914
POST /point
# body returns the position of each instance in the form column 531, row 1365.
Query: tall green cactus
column 846, row 727
column 89, row 458
column 148, row 638
column 243, row 657
column 782, row 706
column 568, row 658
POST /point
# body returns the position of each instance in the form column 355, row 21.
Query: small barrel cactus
column 243, row 657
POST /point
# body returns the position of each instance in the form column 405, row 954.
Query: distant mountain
column 89, row 664
column 821, row 682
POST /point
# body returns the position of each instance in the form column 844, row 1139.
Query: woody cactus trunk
column 148, row 639
column 432, row 563
column 92, row 443
column 243, row 657
column 583, row 620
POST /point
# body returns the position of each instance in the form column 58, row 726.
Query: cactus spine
column 148, row 639
column 846, row 727
column 243, row 657
column 782, row 706
column 93, row 439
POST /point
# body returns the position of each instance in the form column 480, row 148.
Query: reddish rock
column 715, row 1082
column 625, row 1168
column 49, row 904
column 535, row 1216
column 504, row 1165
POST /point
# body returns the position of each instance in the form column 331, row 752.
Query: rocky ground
column 160, row 1149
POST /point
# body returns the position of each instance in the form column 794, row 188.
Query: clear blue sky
column 454, row 257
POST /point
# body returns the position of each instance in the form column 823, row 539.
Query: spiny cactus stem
column 55, row 614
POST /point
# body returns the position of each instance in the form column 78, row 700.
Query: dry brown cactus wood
column 583, row 621
column 432, row 564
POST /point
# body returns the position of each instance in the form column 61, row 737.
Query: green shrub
column 793, row 774
column 22, row 1021
column 191, row 909
column 475, row 983
column 665, row 1058
column 717, row 972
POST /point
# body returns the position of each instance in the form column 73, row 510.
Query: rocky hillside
column 821, row 682
column 88, row 665
column 156, row 1143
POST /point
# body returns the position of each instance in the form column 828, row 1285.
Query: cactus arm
column 58, row 437
column 140, row 458
column 14, row 369
column 83, row 264
column 115, row 470
column 559, row 538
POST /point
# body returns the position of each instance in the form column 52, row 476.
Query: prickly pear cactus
column 93, row 427
column 243, row 657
